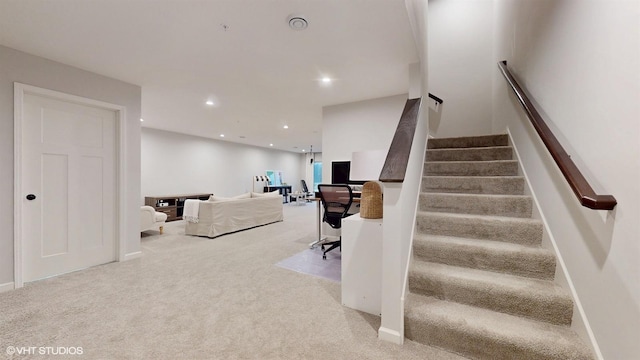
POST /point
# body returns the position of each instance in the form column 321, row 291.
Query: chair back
column 304, row 186
column 336, row 200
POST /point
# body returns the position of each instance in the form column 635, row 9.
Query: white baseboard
column 6, row 287
column 579, row 322
column 133, row 255
column 390, row 335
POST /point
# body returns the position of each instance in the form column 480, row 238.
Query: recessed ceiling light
column 326, row 80
column 297, row 22
column 209, row 102
column 285, row 127
column 221, row 135
column 141, row 119
column 270, row 144
column 303, row 150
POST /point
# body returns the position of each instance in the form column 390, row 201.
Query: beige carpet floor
column 199, row 298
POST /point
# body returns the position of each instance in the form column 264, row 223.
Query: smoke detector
column 297, row 22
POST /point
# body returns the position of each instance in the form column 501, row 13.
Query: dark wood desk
column 284, row 190
column 356, row 195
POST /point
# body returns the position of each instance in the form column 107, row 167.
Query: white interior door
column 68, row 164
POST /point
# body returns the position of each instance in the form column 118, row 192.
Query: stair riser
column 463, row 142
column 552, row 308
column 533, row 263
column 471, row 154
column 475, row 345
column 471, row 168
column 498, row 229
column 474, row 185
column 517, row 206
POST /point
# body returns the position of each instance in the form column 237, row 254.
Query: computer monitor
column 340, row 173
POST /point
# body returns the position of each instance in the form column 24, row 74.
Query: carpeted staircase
column 480, row 283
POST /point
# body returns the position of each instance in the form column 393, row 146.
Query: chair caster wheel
column 322, row 247
column 324, row 257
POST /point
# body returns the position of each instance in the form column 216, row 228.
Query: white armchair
column 151, row 219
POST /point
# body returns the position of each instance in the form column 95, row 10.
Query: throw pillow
column 218, row 198
column 269, row 194
column 242, row 196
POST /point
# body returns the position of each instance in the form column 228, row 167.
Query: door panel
column 91, row 231
column 54, row 200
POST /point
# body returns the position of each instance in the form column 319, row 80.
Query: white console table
column 362, row 264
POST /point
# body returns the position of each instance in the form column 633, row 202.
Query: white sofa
column 151, row 219
column 219, row 216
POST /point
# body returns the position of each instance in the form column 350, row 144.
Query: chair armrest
column 147, row 217
column 148, row 209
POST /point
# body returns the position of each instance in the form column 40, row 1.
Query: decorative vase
column 371, row 201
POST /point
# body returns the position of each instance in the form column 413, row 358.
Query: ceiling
column 241, row 54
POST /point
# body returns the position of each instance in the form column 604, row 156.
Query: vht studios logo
column 44, row 350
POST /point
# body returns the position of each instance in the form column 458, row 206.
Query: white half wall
column 175, row 163
column 358, row 126
column 580, row 60
column 460, row 53
column 17, row 66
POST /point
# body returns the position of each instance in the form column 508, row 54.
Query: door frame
column 19, row 91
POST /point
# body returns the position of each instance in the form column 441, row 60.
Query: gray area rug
column 197, row 298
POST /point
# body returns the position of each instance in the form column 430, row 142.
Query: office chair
column 305, row 190
column 336, row 200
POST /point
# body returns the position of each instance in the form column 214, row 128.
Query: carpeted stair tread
column 468, row 141
column 479, row 204
column 532, row 298
column 472, row 168
column 485, row 334
column 512, row 185
column 471, row 154
column 504, row 257
column 499, row 228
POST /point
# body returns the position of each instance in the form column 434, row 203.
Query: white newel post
column 392, row 311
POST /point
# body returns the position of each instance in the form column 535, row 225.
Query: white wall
column 460, row 66
column 580, row 60
column 181, row 164
column 357, row 126
column 16, row 66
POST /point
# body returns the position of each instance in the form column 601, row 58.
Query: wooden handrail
column 395, row 165
column 581, row 188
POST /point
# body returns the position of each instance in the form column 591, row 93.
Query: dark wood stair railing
column 395, row 166
column 581, row 188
